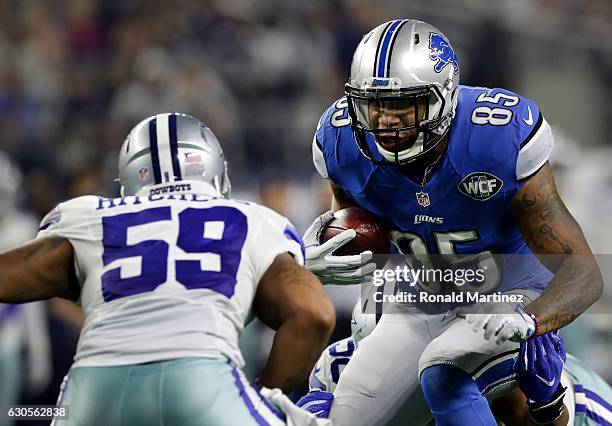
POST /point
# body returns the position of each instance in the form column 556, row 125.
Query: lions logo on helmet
column 442, row 52
column 167, row 148
column 399, row 104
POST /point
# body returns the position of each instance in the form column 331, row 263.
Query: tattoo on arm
column 294, row 275
column 555, row 237
column 546, row 224
column 39, row 269
column 41, row 246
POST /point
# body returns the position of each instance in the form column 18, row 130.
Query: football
column 372, row 233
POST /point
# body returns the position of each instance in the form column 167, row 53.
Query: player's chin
column 391, row 143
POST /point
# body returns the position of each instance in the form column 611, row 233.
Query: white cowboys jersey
column 326, row 372
column 167, row 276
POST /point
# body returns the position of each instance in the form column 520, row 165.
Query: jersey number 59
column 215, row 234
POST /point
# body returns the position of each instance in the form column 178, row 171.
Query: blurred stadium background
column 76, row 75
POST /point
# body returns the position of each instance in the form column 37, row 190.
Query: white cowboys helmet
column 172, row 147
column 362, row 324
column 402, row 90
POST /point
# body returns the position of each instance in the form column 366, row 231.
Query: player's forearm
column 37, row 270
column 562, row 420
column 554, row 236
column 512, row 410
column 577, row 284
column 297, row 346
column 16, row 279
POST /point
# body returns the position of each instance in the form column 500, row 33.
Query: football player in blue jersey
column 555, row 388
column 455, row 171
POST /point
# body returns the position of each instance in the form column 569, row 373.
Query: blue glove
column 317, row 402
column 539, row 367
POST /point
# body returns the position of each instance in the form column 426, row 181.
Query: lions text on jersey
column 167, row 276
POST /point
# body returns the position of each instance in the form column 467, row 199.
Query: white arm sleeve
column 535, row 151
column 318, row 158
column 274, row 235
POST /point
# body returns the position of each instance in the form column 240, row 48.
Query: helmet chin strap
column 417, row 149
column 414, row 150
column 420, row 167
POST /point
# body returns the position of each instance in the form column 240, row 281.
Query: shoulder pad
column 278, row 232
column 67, row 217
column 505, row 134
column 335, row 151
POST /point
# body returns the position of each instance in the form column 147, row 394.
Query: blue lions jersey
column 497, row 140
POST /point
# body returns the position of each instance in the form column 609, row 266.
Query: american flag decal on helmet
column 143, row 174
column 192, row 157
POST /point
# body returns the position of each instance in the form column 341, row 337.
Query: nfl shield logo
column 423, row 198
column 143, row 174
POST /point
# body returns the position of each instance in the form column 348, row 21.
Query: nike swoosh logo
column 528, row 121
column 548, row 383
column 317, row 369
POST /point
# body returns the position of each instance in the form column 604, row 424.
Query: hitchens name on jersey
column 458, row 297
column 175, row 192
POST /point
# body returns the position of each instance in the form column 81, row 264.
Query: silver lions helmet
column 172, row 147
column 402, row 90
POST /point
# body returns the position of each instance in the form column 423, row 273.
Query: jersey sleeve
column 324, row 132
column 274, row 235
column 70, row 220
column 318, row 158
column 507, row 135
column 335, row 152
column 536, row 140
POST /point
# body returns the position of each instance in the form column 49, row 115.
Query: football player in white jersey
column 326, row 373
column 167, row 276
column 21, row 327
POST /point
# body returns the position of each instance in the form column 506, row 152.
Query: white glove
column 331, row 269
column 517, row 326
column 295, row 415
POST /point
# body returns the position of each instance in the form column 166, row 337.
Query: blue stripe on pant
column 186, row 391
column 593, row 406
column 496, row 375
